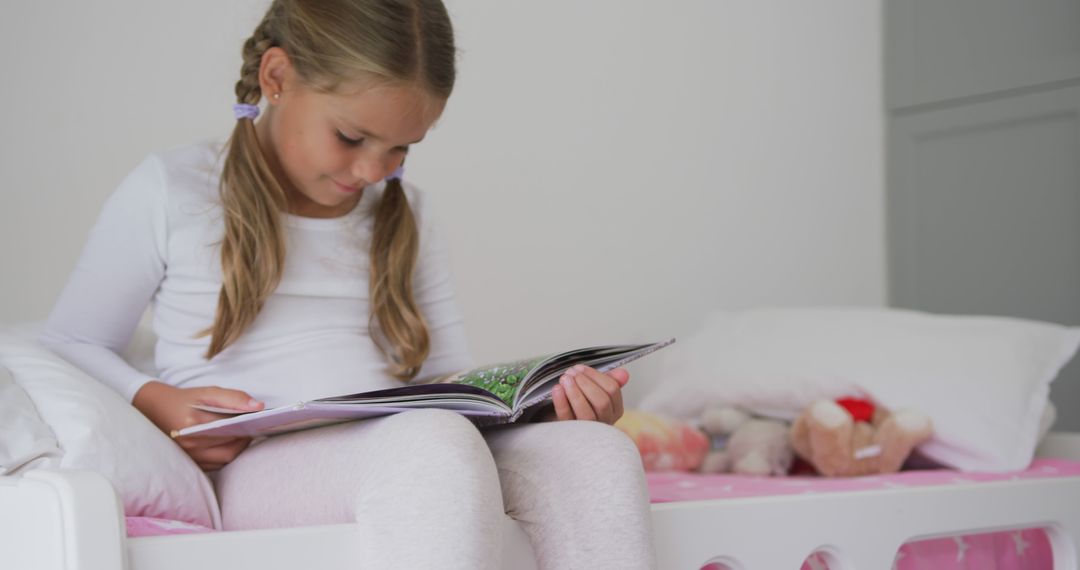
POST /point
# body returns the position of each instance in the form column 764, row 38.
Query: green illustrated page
column 504, row 379
column 528, row 381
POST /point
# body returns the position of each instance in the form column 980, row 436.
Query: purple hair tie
column 398, row 174
column 245, row 111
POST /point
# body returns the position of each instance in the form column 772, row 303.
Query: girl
column 291, row 262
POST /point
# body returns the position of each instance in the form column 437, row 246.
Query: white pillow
column 25, row 441
column 984, row 381
column 99, row 430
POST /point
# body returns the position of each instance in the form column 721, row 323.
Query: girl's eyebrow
column 368, row 134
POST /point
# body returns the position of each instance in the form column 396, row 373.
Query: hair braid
column 253, row 249
column 395, row 319
column 247, row 88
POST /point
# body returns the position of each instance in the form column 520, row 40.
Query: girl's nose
column 371, row 169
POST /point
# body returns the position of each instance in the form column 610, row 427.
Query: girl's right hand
column 169, row 408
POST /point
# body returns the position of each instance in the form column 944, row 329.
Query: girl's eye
column 347, row 140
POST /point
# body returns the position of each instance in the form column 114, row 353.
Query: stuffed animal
column 851, row 437
column 745, row 444
column 665, row 444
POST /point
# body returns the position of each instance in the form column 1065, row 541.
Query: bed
column 96, row 454
column 73, row 520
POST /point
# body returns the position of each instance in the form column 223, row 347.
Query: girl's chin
column 325, row 204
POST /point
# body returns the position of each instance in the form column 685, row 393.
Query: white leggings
column 428, row 490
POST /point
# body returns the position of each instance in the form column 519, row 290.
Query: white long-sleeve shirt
column 158, row 240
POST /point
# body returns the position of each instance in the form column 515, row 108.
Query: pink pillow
column 150, row 526
column 665, row 444
column 96, row 429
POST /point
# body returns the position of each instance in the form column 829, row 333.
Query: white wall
column 606, row 171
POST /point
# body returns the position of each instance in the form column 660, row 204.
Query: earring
column 277, row 96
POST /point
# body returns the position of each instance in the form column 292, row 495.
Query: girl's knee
column 575, row 444
column 598, row 440
column 436, row 436
column 428, row 461
column 575, row 461
column 429, row 420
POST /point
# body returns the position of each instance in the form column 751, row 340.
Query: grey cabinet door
column 984, row 162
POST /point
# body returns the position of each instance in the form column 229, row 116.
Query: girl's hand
column 585, row 394
column 169, row 408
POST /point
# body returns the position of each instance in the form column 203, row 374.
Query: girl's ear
column 275, row 73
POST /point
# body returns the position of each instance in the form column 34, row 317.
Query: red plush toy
column 861, row 410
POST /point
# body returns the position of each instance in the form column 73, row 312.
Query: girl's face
column 326, row 147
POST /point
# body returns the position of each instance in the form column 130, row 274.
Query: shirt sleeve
column 118, row 272
column 433, row 289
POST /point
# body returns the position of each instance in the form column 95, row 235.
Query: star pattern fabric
column 961, row 548
column 1027, row 549
column 1021, row 544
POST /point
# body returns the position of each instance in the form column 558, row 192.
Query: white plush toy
column 748, row 445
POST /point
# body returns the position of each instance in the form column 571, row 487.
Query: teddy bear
column 745, row 444
column 852, row 436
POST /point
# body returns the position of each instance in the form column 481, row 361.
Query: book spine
column 486, row 421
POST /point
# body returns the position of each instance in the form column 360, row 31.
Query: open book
column 489, row 395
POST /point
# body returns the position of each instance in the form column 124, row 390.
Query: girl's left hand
column 585, row 394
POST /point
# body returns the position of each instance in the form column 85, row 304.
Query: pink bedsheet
column 1016, row 550
column 670, row 487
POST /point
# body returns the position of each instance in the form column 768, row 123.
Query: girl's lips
column 344, row 188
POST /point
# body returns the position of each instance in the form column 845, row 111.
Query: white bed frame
column 72, row 520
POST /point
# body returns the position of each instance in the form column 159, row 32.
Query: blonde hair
column 330, row 43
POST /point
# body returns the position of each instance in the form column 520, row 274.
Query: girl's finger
column 620, row 375
column 197, row 440
column 598, row 398
column 228, row 398
column 612, row 386
column 578, row 402
column 562, row 405
column 203, row 441
column 223, row 453
column 605, row 381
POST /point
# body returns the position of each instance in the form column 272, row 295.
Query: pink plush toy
column 665, row 444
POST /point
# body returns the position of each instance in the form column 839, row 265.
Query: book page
column 502, row 379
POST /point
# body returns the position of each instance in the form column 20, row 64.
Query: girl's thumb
column 233, row 400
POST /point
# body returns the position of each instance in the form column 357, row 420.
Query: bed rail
column 61, row 520
column 862, row 529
